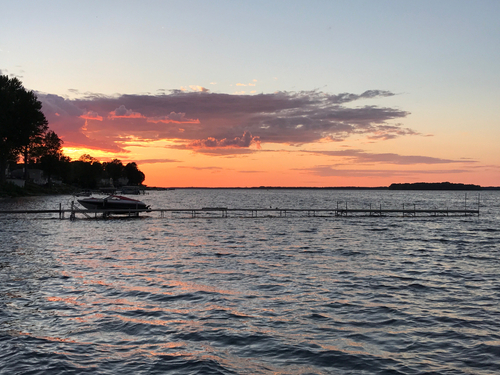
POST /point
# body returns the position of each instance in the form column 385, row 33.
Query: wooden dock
column 223, row 212
column 316, row 212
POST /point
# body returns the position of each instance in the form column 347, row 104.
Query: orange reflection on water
column 156, row 322
column 88, row 318
column 193, row 287
column 54, row 339
column 171, row 345
column 71, row 300
column 98, row 282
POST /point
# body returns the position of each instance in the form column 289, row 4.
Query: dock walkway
column 223, row 212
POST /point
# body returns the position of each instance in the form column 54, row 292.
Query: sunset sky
column 274, row 93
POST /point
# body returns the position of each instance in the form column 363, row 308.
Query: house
column 35, row 175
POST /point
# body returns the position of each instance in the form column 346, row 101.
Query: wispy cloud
column 359, row 156
column 201, row 168
column 332, row 171
column 202, row 121
column 155, row 161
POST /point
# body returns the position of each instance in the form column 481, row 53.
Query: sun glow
column 75, row 152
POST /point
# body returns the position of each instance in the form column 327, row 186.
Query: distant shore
column 404, row 186
column 7, row 190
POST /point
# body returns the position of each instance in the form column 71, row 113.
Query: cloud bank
column 362, row 157
column 220, row 123
column 330, row 171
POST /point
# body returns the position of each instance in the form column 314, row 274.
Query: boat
column 123, row 205
column 84, row 193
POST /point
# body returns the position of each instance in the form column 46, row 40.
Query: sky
column 267, row 93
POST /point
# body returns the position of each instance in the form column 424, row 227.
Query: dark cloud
column 218, row 151
column 206, row 121
column 239, row 142
column 359, row 156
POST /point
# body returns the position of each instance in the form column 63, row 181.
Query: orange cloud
column 89, row 115
column 174, row 118
column 213, row 121
column 198, row 88
column 122, row 112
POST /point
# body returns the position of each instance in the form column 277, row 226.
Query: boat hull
column 122, row 205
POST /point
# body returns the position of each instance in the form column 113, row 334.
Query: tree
column 134, row 175
column 52, row 156
column 114, row 169
column 86, row 172
column 86, row 158
column 22, row 122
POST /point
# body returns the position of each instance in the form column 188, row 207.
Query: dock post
column 72, row 215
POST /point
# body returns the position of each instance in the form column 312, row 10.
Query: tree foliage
column 114, row 169
column 52, row 159
column 24, row 132
column 87, row 172
column 133, row 174
column 22, row 122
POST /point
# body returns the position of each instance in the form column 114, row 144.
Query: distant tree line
column 25, row 135
column 88, row 173
column 434, row 186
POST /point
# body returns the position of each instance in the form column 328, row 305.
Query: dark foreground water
column 315, row 295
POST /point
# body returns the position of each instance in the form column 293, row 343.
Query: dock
column 314, row 212
column 224, row 212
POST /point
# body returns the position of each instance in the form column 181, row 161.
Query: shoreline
column 7, row 192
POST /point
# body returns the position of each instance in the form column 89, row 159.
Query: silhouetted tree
column 134, row 175
column 86, row 172
column 52, row 156
column 86, row 158
column 114, row 169
column 22, row 123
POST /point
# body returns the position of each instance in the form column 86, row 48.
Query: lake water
column 266, row 295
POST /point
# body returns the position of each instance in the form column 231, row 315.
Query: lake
column 265, row 295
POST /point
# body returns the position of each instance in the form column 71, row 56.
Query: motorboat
column 123, row 205
column 84, row 193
